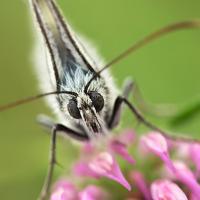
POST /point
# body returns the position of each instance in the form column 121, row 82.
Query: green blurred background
column 167, row 71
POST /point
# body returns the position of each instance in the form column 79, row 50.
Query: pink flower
column 104, row 164
column 185, row 175
column 182, row 150
column 92, row 193
column 194, row 150
column 166, row 190
column 157, row 144
column 97, row 161
column 121, row 149
column 127, row 138
column 81, row 168
column 88, row 148
column 140, row 182
column 64, row 190
column 119, row 145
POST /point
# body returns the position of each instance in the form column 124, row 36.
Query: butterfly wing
column 66, row 53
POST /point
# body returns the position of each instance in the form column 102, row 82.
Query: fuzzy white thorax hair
column 45, row 74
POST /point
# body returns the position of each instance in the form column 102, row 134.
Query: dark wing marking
column 69, row 34
column 66, row 54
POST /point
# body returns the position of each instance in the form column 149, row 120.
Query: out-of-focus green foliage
column 166, row 71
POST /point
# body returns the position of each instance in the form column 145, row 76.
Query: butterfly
column 77, row 83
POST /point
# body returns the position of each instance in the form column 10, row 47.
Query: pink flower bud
column 64, row 190
column 140, row 183
column 105, row 165
column 182, row 150
column 194, row 150
column 92, row 193
column 186, row 176
column 88, row 148
column 183, row 174
column 164, row 189
column 127, row 137
column 121, row 149
column 81, row 168
column 155, row 143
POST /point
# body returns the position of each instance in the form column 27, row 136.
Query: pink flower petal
column 92, row 193
column 183, row 169
column 82, row 169
column 155, row 142
column 119, row 148
column 88, row 148
column 64, row 190
column 164, row 189
column 194, row 150
column 105, row 165
column 139, row 180
column 185, row 175
column 127, row 138
column 193, row 197
column 182, row 150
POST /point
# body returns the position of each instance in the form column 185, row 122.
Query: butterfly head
column 88, row 108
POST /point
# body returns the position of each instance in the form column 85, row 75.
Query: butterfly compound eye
column 97, row 100
column 73, row 109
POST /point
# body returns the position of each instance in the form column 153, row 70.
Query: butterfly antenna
column 33, row 98
column 183, row 25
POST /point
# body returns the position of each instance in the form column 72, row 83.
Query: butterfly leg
column 52, row 159
column 130, row 87
column 117, row 109
column 122, row 100
column 49, row 124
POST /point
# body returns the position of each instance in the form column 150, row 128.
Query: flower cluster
column 162, row 170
